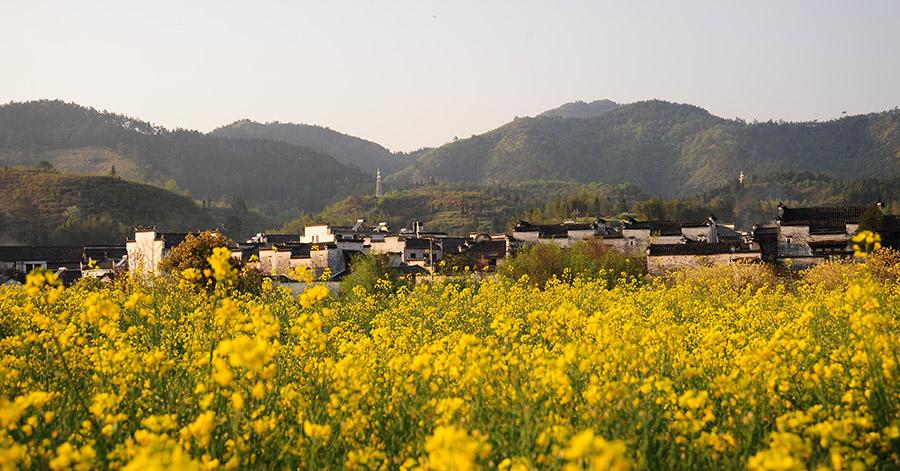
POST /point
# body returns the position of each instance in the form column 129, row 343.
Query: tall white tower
column 378, row 183
column 741, row 178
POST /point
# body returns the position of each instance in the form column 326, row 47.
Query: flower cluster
column 866, row 242
column 693, row 373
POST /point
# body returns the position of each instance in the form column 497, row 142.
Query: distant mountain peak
column 349, row 150
column 581, row 109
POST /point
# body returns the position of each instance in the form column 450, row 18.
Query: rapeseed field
column 724, row 368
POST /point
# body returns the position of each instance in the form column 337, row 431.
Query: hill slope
column 41, row 207
column 580, row 109
column 267, row 174
column 664, row 148
column 348, row 150
column 460, row 209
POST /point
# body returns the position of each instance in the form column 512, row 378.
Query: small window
column 412, row 255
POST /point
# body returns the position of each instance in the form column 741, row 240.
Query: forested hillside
column 349, row 150
column 581, row 109
column 273, row 176
column 664, row 148
column 459, row 209
column 49, row 207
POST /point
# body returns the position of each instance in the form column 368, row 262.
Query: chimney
column 781, row 207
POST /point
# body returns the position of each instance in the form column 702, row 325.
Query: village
column 799, row 238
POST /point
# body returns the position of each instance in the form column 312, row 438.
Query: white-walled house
column 564, row 235
column 148, row 248
column 812, row 235
column 663, row 258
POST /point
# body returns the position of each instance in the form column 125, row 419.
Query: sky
column 415, row 73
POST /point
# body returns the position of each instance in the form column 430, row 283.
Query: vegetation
column 48, row 207
column 348, row 150
column 665, row 149
column 701, row 372
column 270, row 176
column 194, row 253
column 539, row 264
column 371, row 275
column 460, row 209
column 580, row 109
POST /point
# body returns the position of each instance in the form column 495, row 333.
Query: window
column 412, row 255
column 31, row 266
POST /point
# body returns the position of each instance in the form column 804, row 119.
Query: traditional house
column 17, row 261
column 564, row 235
column 807, row 236
column 663, row 258
column 638, row 235
column 101, row 261
column 149, row 247
column 406, row 249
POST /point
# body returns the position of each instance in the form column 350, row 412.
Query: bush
column 588, row 260
column 884, row 264
column 193, row 253
column 733, row 276
column 831, row 274
column 371, row 274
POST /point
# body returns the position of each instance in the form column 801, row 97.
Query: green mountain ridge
column 346, row 149
column 46, row 206
column 581, row 109
column 273, row 176
column 664, row 148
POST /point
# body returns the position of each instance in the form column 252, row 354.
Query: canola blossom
column 702, row 371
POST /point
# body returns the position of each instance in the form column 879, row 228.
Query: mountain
column 348, row 150
column 664, row 148
column 273, row 176
column 49, row 207
column 580, row 109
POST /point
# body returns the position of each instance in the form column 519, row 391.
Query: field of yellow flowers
column 715, row 369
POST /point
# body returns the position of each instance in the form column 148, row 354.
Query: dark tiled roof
column 812, row 215
column 415, row 243
column 654, row 226
column 100, row 253
column 281, row 238
column 300, row 250
column 452, row 245
column 525, row 226
column 172, row 239
column 727, row 234
column 827, row 226
column 41, row 253
column 486, row 249
column 698, row 248
column 827, row 243
column 765, row 231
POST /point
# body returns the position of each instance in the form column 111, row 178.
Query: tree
column 371, row 274
column 193, row 251
column 871, row 219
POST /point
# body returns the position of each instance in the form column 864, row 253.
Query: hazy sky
column 416, row 73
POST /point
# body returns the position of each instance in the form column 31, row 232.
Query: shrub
column 588, row 260
column 884, row 264
column 733, row 276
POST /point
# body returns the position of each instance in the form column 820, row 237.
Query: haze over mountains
column 268, row 174
column 348, row 150
column 664, row 148
column 283, row 169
